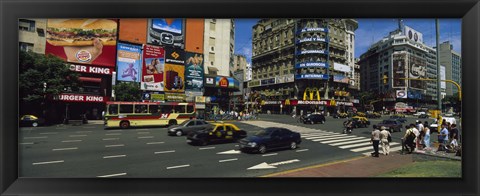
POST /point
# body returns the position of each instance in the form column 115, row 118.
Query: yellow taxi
column 216, row 133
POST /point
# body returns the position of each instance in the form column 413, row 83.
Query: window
column 199, row 122
column 126, row 108
column 113, row 109
column 212, row 26
column 190, row 109
column 191, row 123
column 26, row 47
column 26, row 25
column 140, row 109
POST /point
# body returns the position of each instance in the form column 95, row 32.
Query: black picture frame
column 11, row 11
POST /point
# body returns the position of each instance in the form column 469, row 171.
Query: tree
column 41, row 78
column 128, row 91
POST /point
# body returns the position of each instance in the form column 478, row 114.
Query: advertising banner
column 414, row 95
column 399, row 68
column 129, row 61
column 312, row 39
column 175, row 97
column 81, row 98
column 174, row 78
column 312, row 52
column 312, row 76
column 417, row 70
column 311, row 64
column 267, row 81
column 166, row 32
column 413, row 35
column 210, row 81
column 401, row 94
column 91, row 69
column 86, row 41
column 194, row 72
column 157, row 97
column 153, row 68
column 133, row 30
column 254, row 83
column 290, row 78
column 341, row 79
column 443, row 85
column 175, row 56
column 227, row 82
column 341, row 67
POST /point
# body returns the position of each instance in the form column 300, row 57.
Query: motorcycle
column 348, row 127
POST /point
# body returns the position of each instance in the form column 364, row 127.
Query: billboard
column 166, row 32
column 133, row 30
column 194, row 72
column 413, row 35
column 153, row 68
column 86, row 41
column 399, row 69
column 312, row 76
column 174, row 76
column 227, row 82
column 443, row 85
column 401, row 94
column 341, row 67
column 129, row 61
column 341, row 79
column 417, row 69
column 194, row 28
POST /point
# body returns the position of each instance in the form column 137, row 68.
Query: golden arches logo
column 287, row 101
column 311, row 92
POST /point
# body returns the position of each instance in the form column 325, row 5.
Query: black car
column 399, row 118
column 391, row 125
column 314, row 118
column 270, row 138
column 188, row 126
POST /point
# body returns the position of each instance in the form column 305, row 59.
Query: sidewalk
column 364, row 166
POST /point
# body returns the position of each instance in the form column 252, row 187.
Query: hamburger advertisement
column 87, row 41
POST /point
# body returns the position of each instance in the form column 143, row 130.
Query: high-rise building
column 309, row 61
column 219, row 45
column 239, row 63
column 453, row 66
column 401, row 54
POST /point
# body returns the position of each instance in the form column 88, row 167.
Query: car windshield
column 184, row 122
column 264, row 132
column 388, row 122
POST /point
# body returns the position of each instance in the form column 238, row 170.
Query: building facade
column 453, row 66
column 31, row 36
column 302, row 60
column 219, row 45
column 239, row 63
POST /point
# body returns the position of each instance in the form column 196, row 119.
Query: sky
column 369, row 31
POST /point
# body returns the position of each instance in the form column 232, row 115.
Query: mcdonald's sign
column 287, row 101
column 311, row 92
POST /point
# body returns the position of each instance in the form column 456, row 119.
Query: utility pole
column 439, row 99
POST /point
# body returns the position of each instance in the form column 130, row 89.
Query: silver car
column 187, row 127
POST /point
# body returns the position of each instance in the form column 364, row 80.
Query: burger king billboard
column 86, row 41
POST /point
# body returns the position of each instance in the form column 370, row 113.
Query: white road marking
column 142, row 129
column 115, row 138
column 114, row 156
column 267, row 155
column 60, row 149
column 333, row 137
column 227, row 160
column 149, row 143
column 143, row 132
column 362, row 149
column 206, row 148
column 49, row 162
column 42, row 137
column 350, row 142
column 83, row 131
column 356, row 145
column 113, row 134
column 60, row 128
column 230, row 152
column 265, row 165
column 317, row 134
column 179, row 166
column 302, row 150
column 342, row 140
column 77, row 135
column 236, row 145
column 116, row 145
column 114, row 130
column 49, row 133
column 380, row 150
column 112, row 175
column 66, row 141
column 145, row 137
column 162, row 152
column 26, row 143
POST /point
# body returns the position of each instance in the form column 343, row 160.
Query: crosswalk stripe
column 341, row 140
column 364, row 148
column 391, row 150
column 324, row 136
column 317, row 135
column 330, row 138
column 350, row 142
column 356, row 145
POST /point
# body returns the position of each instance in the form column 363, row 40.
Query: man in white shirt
column 417, row 134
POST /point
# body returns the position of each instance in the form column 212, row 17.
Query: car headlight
column 252, row 144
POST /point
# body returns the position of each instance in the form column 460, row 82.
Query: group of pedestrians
column 380, row 137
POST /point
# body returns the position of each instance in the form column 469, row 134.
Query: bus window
column 128, row 108
column 180, row 109
column 167, row 109
column 140, row 108
column 190, row 109
column 113, row 109
column 153, row 109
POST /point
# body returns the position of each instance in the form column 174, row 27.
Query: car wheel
column 35, row 124
column 293, row 145
column 262, row 149
column 179, row 133
column 124, row 124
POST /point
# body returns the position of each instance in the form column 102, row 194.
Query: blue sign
column 312, row 39
column 129, row 62
column 313, row 30
column 312, row 76
column 414, row 95
column 312, row 52
column 311, row 64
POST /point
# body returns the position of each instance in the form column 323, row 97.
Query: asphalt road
column 91, row 151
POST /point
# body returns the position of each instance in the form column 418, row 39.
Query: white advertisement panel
column 341, row 67
column 401, row 94
column 443, row 85
column 413, row 35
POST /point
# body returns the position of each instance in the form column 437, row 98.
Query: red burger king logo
column 83, row 56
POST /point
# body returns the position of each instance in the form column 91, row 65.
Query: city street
column 90, row 151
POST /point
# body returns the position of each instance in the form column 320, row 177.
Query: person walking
column 408, row 139
column 443, row 137
column 375, row 140
column 385, row 138
column 417, row 135
column 426, row 137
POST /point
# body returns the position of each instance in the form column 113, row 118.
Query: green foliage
column 428, row 169
column 128, row 91
column 37, row 69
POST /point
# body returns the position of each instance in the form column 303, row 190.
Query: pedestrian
column 385, row 138
column 417, row 135
column 408, row 138
column 443, row 137
column 375, row 140
column 426, row 137
column 453, row 133
column 419, row 125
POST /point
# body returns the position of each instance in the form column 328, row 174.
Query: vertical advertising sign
column 129, row 61
column 87, row 41
column 174, row 70
column 153, row 68
column 166, row 32
column 194, row 72
column 399, row 69
column 417, row 70
column 443, row 85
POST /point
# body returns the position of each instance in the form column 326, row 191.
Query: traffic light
column 385, row 79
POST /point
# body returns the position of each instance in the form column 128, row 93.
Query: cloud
column 247, row 51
